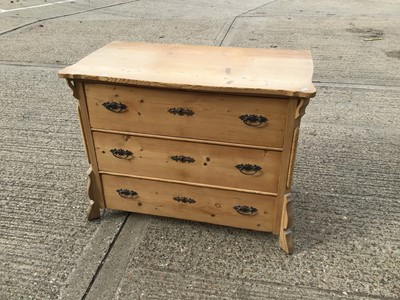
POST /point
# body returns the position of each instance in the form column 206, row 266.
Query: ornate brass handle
column 246, row 210
column 121, row 153
column 253, row 120
column 125, row 193
column 181, row 111
column 183, row 159
column 248, row 169
column 115, row 106
column 184, row 200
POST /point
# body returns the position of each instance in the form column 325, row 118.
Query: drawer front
column 209, row 205
column 234, row 167
column 234, row 119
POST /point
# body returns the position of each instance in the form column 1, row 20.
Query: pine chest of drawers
column 193, row 132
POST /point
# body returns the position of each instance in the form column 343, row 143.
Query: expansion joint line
column 242, row 14
column 64, row 15
column 100, row 266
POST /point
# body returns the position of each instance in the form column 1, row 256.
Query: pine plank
column 211, row 205
column 213, row 164
column 219, row 69
column 215, row 117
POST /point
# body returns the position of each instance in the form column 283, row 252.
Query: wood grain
column 284, row 168
column 219, row 69
column 93, row 210
column 211, row 206
column 292, row 158
column 96, row 187
column 215, row 117
column 202, row 185
column 213, row 164
column 285, row 234
column 190, row 140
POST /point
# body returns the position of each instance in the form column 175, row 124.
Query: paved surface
column 347, row 179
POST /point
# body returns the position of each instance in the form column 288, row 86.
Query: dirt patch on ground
column 366, row 32
column 393, row 54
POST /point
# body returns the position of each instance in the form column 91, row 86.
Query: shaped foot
column 285, row 234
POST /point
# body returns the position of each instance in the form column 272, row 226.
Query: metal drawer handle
column 246, row 210
column 125, row 193
column 184, row 200
column 248, row 169
column 253, row 120
column 121, row 153
column 181, row 111
column 115, row 106
column 182, row 159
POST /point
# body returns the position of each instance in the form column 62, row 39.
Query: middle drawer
column 233, row 167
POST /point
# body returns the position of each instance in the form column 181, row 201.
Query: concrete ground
column 347, row 178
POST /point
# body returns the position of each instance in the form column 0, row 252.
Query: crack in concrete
column 33, row 65
column 354, row 85
column 63, row 15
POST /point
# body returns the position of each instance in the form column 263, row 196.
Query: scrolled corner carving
column 93, row 210
column 285, row 235
column 287, row 219
column 73, row 87
column 301, row 107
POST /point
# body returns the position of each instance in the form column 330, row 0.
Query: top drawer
column 225, row 118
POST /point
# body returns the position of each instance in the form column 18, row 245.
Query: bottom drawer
column 223, row 207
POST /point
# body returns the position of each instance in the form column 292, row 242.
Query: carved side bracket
column 72, row 86
column 292, row 157
column 81, row 126
column 93, row 211
column 301, row 107
column 285, row 235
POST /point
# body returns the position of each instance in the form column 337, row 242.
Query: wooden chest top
column 276, row 72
